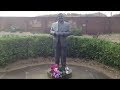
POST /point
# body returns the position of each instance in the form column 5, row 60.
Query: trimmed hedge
column 14, row 48
column 77, row 31
column 91, row 48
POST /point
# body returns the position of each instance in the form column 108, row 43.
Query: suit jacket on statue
column 63, row 29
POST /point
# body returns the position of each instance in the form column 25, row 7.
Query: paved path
column 40, row 72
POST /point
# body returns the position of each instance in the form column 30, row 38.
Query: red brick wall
column 93, row 25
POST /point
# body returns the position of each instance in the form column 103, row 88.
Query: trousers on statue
column 60, row 54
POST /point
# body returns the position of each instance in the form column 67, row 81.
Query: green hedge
column 77, row 31
column 14, row 48
column 91, row 48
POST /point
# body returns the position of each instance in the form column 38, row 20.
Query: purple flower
column 57, row 75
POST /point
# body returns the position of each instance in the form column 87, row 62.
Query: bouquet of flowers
column 58, row 72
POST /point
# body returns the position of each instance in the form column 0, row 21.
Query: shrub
column 77, row 31
column 14, row 48
column 13, row 30
column 91, row 48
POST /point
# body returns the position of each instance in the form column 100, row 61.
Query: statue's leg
column 57, row 54
column 63, row 56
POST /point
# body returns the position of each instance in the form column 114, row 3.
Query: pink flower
column 53, row 66
column 55, row 71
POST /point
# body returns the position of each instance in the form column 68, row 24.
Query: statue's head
column 60, row 17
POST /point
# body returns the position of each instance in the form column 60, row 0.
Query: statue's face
column 60, row 18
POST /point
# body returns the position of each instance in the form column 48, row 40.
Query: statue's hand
column 59, row 33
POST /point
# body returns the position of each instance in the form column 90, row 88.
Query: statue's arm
column 66, row 33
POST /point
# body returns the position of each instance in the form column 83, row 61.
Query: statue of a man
column 60, row 30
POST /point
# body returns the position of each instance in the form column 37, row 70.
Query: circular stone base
column 66, row 76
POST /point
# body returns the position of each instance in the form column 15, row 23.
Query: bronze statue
column 60, row 30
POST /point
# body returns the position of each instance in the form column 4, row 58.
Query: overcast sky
column 38, row 13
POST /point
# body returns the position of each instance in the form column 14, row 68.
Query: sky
column 38, row 13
